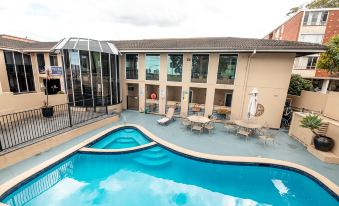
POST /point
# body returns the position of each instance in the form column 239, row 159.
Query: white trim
column 221, row 50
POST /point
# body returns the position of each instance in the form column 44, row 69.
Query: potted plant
column 47, row 111
column 321, row 142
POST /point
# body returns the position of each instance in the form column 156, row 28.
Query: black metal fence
column 23, row 127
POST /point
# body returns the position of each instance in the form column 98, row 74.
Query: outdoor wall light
column 188, row 59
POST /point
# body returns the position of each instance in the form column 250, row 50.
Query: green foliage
column 311, row 122
column 294, row 10
column 316, row 4
column 330, row 59
column 297, row 84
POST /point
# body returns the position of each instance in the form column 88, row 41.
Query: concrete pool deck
column 218, row 143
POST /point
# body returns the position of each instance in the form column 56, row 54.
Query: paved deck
column 220, row 143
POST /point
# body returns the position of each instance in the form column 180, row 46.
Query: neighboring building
column 23, row 65
column 315, row 26
column 207, row 75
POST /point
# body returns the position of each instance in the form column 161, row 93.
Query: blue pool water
column 156, row 176
column 123, row 138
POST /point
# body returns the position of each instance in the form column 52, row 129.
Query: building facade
column 209, row 76
column 315, row 26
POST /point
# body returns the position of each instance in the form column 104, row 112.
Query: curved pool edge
column 15, row 182
column 89, row 150
column 243, row 159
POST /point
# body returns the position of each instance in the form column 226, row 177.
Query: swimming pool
column 157, row 176
column 122, row 138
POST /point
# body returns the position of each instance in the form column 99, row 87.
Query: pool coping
column 15, row 182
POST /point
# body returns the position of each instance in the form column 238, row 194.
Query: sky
column 47, row 20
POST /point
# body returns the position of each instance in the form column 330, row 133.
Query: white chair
column 197, row 127
column 209, row 126
column 169, row 117
column 268, row 136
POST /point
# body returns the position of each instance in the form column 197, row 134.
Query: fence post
column 69, row 115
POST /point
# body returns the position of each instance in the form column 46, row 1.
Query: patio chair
column 269, row 136
column 230, row 126
column 244, row 133
column 186, row 122
column 209, row 126
column 169, row 117
column 197, row 127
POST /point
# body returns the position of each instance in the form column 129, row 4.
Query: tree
column 297, row 84
column 316, row 4
column 330, row 59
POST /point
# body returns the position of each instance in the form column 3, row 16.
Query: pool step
column 155, row 150
column 125, row 140
column 122, row 142
column 129, row 130
column 152, row 162
column 154, row 156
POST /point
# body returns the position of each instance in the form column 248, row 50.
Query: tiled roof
column 208, row 44
column 217, row 43
column 23, row 45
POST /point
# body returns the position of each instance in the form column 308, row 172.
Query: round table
column 248, row 125
column 251, row 127
column 198, row 119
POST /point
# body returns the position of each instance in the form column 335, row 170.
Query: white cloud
column 135, row 19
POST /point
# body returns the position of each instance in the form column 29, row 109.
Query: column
column 324, row 86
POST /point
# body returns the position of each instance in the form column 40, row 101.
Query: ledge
column 116, row 151
column 203, row 156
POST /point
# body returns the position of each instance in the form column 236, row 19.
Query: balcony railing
column 18, row 129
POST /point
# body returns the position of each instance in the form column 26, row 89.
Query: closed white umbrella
column 252, row 105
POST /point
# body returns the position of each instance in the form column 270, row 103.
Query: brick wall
column 332, row 27
column 288, row 30
column 292, row 28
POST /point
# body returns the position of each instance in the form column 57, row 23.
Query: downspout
column 246, row 80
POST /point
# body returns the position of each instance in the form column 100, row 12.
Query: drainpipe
column 246, row 80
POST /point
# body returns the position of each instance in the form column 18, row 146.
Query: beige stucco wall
column 19, row 102
column 332, row 106
column 268, row 72
column 314, row 101
column 10, row 103
column 4, row 87
column 305, row 136
column 327, row 104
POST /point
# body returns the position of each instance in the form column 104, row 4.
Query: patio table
column 198, row 119
column 252, row 127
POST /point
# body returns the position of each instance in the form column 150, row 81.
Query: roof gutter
column 224, row 50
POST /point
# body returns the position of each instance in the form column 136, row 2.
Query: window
column 19, row 72
column 131, row 66
column 311, row 62
column 315, row 18
column 174, row 67
column 53, row 59
column 312, row 38
column 226, row 68
column 152, row 66
column 41, row 63
column 199, row 68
